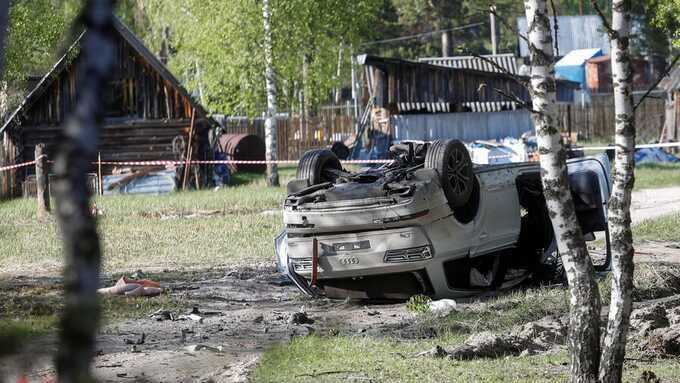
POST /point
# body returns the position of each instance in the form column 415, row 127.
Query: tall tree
column 614, row 346
column 584, row 313
column 80, row 316
column 270, row 122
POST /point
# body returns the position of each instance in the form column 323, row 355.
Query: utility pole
column 270, row 121
column 492, row 21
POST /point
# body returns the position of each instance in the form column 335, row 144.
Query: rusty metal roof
column 506, row 61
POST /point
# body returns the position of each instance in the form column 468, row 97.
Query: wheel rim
column 457, row 171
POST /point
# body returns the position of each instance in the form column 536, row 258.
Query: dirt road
column 652, row 203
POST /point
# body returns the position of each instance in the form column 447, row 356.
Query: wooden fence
column 293, row 139
column 596, row 120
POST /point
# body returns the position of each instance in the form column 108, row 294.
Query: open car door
column 590, row 182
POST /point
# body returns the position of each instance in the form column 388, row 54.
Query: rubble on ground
column 533, row 337
column 647, row 319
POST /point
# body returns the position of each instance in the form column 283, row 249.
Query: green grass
column 665, row 228
column 135, row 235
column 340, row 359
column 649, row 176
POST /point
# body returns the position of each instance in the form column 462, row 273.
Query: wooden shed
column 599, row 74
column 148, row 112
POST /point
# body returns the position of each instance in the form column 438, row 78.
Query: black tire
column 551, row 270
column 314, row 165
column 341, row 150
column 451, row 160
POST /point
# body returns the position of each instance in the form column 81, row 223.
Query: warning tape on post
column 17, row 166
column 294, row 162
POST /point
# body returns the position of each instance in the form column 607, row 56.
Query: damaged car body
column 429, row 222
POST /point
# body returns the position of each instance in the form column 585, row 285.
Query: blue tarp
column 654, row 155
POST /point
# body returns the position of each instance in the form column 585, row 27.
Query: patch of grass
column 419, row 304
column 135, row 233
column 340, row 359
column 314, row 359
column 666, row 228
column 657, row 175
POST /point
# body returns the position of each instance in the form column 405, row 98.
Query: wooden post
column 187, row 163
column 41, row 187
column 99, row 173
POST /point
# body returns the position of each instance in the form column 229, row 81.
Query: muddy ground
column 244, row 311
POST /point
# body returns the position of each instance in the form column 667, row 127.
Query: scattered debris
column 648, row 377
column 202, row 347
column 371, row 313
column 442, row 307
column 436, row 352
column 662, row 341
column 133, row 287
column 258, row 319
column 299, row 318
column 140, row 340
column 161, row 315
column 488, row 345
column 647, row 319
column 673, row 316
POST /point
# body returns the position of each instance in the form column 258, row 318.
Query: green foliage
column 419, row 304
column 218, row 46
column 36, row 29
column 667, row 16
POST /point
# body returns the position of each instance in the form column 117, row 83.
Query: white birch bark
column 270, row 121
column 614, row 346
column 584, row 317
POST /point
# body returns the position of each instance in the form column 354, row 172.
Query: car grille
column 408, row 255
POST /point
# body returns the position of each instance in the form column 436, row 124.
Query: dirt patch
column 242, row 311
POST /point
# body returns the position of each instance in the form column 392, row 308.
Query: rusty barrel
column 244, row 147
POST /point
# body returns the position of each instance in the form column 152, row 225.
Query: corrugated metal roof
column 505, row 61
column 575, row 32
column 579, row 57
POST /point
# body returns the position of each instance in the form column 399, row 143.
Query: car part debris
column 133, row 287
column 442, row 307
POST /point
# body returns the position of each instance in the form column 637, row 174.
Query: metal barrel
column 244, row 147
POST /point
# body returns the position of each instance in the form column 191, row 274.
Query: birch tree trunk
column 80, row 316
column 614, row 346
column 270, row 121
column 584, row 316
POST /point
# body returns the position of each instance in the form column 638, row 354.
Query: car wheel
column 315, row 164
column 452, row 161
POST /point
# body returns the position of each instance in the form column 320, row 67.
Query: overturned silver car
column 429, row 222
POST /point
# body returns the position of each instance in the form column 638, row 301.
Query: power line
column 402, row 38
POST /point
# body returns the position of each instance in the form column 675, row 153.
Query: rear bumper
column 353, row 255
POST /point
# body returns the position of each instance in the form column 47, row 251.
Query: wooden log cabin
column 147, row 113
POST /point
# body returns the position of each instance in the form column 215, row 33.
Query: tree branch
column 657, row 82
column 605, row 23
column 514, row 98
column 555, row 28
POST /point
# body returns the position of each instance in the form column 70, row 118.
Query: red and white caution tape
column 234, row 162
column 17, row 166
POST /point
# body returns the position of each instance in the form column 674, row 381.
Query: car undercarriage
column 429, row 222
